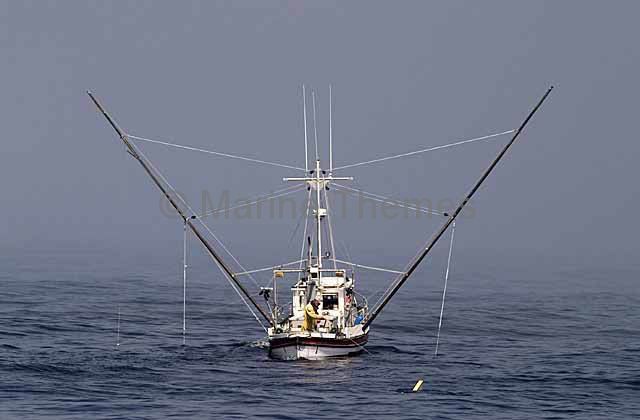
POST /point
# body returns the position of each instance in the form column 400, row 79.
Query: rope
column 211, row 152
column 392, row 285
column 184, row 283
column 118, row 329
column 243, row 300
column 211, row 233
column 399, row 278
column 228, row 252
column 361, row 347
column 386, row 200
column 275, row 194
column 294, row 231
column 372, row 295
column 490, row 136
column 306, row 225
column 268, row 268
column 333, row 248
column 444, row 291
column 368, row 267
column 230, row 282
column 348, row 254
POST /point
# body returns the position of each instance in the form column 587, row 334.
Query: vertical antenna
column 315, row 128
column 118, row 329
column 330, row 137
column 304, row 112
column 184, row 283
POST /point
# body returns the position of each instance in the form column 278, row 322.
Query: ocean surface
column 526, row 338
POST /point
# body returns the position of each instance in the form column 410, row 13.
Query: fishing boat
column 342, row 319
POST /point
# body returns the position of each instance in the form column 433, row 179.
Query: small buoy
column 418, row 386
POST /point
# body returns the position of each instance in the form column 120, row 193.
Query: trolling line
column 444, row 291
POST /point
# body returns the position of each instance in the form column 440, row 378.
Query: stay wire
column 444, row 146
column 211, row 152
column 162, row 177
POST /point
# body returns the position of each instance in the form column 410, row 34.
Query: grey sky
column 227, row 76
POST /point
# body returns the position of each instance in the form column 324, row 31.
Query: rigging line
column 361, row 347
column 228, row 252
column 325, row 234
column 368, row 267
column 229, row 302
column 306, row 225
column 243, row 300
column 398, row 278
column 184, row 283
column 333, row 248
column 118, row 329
column 200, row 221
column 376, row 292
column 229, row 280
column 457, row 143
column 364, row 298
column 325, row 225
column 444, row 291
column 394, row 282
column 387, row 200
column 162, row 177
column 295, row 229
column 312, row 235
column 222, row 245
column 153, row 174
column 424, row 253
column 275, row 267
column 275, row 194
column 323, row 220
column 385, row 290
column 211, row 152
column 348, row 254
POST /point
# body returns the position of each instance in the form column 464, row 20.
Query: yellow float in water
column 418, row 386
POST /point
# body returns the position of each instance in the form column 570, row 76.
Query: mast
column 403, row 277
column 318, row 218
column 188, row 220
column 316, row 179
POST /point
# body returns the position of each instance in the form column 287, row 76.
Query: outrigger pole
column 188, row 220
column 404, row 276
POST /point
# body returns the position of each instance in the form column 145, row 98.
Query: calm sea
column 520, row 339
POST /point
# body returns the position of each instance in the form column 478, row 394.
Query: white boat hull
column 313, row 348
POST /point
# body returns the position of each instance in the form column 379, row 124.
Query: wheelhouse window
column 329, row 302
